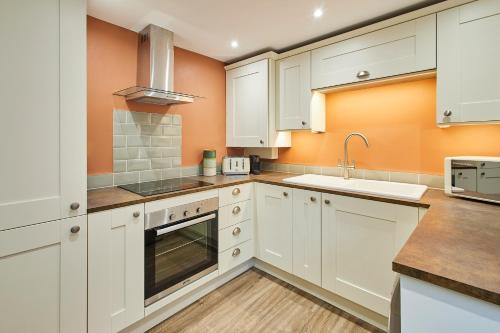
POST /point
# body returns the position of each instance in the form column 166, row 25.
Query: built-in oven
column 181, row 246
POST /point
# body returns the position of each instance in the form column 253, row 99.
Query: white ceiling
column 209, row 26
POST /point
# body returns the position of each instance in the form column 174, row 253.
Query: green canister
column 209, row 162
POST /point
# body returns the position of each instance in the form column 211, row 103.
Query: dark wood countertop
column 456, row 245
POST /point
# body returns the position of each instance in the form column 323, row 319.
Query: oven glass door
column 178, row 254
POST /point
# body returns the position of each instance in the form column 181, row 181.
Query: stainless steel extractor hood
column 155, row 70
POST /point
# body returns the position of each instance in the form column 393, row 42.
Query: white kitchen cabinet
column 400, row 49
column 307, row 235
column 468, row 59
column 43, row 284
column 43, row 128
column 360, row 238
column 298, row 107
column 116, row 268
column 250, row 109
column 274, row 225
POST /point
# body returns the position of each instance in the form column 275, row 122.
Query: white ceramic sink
column 375, row 187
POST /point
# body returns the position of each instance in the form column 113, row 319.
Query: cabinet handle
column 74, row 206
column 236, row 191
column 236, row 252
column 236, row 231
column 75, row 229
column 327, row 202
column 285, row 194
column 447, row 113
column 483, row 174
column 303, row 123
column 313, row 199
column 261, row 142
column 236, row 210
column 136, row 214
column 363, row 74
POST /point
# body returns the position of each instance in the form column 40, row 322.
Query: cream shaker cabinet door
column 468, row 58
column 43, row 284
column 247, row 105
column 116, row 268
column 360, row 239
column 274, row 225
column 400, row 49
column 43, row 128
column 307, row 235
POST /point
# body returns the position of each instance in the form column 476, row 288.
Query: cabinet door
column 360, row 240
column 247, row 105
column 274, row 225
column 43, row 284
column 468, row 58
column 116, row 268
column 307, row 235
column 294, row 92
column 404, row 48
column 43, row 129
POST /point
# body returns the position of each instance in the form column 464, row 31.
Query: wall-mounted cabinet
column 468, row 59
column 250, row 107
column 400, row 49
column 298, row 107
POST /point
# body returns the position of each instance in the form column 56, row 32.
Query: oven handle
column 184, row 224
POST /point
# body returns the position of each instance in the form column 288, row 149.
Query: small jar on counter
column 209, row 162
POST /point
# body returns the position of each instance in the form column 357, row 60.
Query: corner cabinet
column 274, row 207
column 43, row 129
column 360, row 239
column 400, row 49
column 250, row 109
column 468, row 58
column 298, row 107
column 116, row 268
column 43, row 284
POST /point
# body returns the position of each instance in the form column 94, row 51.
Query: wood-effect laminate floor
column 258, row 302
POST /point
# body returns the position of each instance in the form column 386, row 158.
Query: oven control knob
column 171, row 216
column 186, row 213
column 198, row 210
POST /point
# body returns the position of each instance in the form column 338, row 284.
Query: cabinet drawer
column 233, row 194
column 235, row 235
column 235, row 213
column 235, row 256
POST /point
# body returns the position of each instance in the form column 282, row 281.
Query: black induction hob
column 164, row 186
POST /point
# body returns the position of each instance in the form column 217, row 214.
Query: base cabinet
column 307, row 235
column 116, row 268
column 274, row 225
column 43, row 284
column 359, row 241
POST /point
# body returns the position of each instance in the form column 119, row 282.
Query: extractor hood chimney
column 155, row 70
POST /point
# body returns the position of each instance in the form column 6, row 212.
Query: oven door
column 178, row 254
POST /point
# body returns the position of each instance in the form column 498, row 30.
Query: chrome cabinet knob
column 136, row 214
column 186, row 213
column 261, row 142
column 285, row 194
column 483, row 174
column 236, row 252
column 327, row 202
column 447, row 113
column 74, row 206
column 313, row 199
column 363, row 74
column 236, row 210
column 303, row 123
column 75, row 229
column 236, row 231
column 171, row 216
column 236, row 191
column 198, row 210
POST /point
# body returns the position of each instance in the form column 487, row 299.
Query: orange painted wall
column 399, row 121
column 111, row 66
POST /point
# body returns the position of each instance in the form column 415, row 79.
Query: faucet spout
column 346, row 165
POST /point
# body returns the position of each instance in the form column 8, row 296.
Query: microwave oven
column 473, row 177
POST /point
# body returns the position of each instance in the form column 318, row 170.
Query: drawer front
column 233, row 194
column 235, row 256
column 234, row 235
column 235, row 213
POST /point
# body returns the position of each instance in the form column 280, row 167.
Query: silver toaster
column 236, row 165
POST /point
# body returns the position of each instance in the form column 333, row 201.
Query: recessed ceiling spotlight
column 234, row 44
column 318, row 12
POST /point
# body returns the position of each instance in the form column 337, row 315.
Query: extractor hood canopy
column 155, row 70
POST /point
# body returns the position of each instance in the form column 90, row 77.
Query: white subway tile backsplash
column 171, row 130
column 119, row 165
column 139, row 117
column 138, row 141
column 119, row 141
column 176, row 141
column 155, row 130
column 126, row 129
column 176, row 119
column 150, row 175
column 138, row 165
column 126, row 178
column 176, row 162
column 161, row 163
column 171, row 173
column 161, row 141
column 164, row 119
